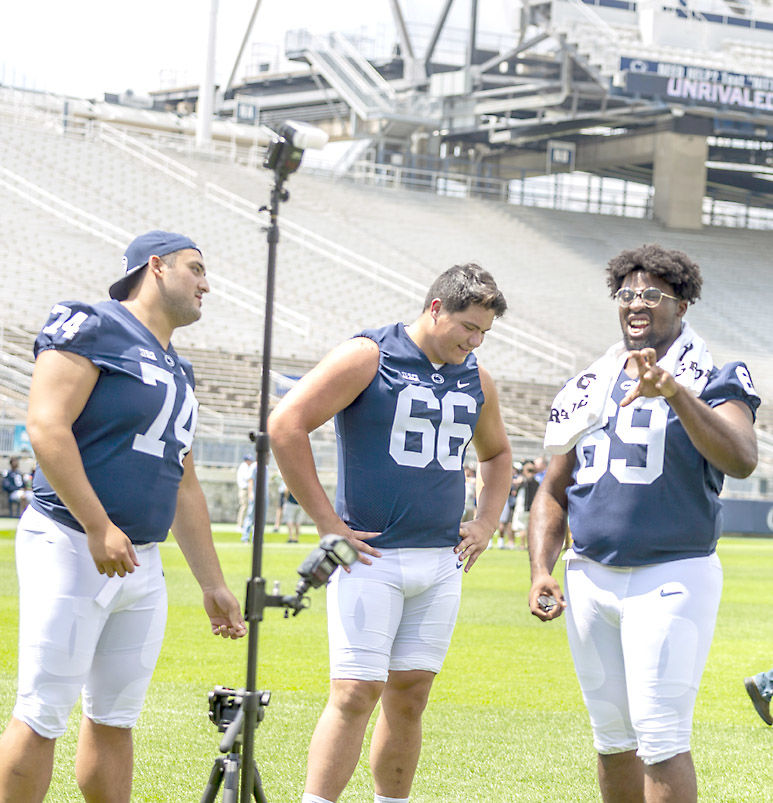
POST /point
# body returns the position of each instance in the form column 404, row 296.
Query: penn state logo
column 125, row 263
column 437, row 379
column 627, row 384
column 168, row 360
column 584, row 381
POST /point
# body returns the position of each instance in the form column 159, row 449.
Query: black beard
column 642, row 344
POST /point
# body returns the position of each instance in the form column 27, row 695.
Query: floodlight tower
column 207, row 88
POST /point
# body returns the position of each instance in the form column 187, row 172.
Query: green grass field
column 505, row 720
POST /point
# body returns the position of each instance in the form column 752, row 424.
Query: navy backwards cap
column 139, row 252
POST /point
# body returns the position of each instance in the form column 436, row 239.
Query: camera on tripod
column 238, row 712
column 285, row 151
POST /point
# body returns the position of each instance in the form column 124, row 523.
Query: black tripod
column 225, row 710
column 238, row 712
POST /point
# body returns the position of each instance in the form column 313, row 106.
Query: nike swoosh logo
column 459, row 565
column 664, row 593
column 461, row 384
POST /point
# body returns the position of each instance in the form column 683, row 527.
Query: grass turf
column 505, row 720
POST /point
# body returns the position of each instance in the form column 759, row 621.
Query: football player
column 407, row 400
column 641, row 442
column 111, row 419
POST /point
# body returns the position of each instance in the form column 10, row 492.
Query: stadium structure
column 539, row 152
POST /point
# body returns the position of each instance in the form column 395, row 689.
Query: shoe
column 761, row 705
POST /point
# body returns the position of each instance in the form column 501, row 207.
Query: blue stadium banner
column 701, row 86
column 21, row 440
column 751, row 516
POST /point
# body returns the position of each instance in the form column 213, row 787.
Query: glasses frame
column 640, row 294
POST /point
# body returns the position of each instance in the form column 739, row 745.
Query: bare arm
column 61, row 385
column 495, row 471
column 193, row 533
column 547, row 530
column 724, row 435
column 329, row 387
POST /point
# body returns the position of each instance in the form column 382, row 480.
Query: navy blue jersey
column 642, row 492
column 401, row 446
column 137, row 425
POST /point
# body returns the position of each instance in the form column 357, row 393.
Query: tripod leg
column 213, row 784
column 231, row 781
column 257, row 786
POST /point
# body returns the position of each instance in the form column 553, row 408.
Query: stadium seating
column 550, row 264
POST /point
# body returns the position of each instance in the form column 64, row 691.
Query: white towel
column 579, row 406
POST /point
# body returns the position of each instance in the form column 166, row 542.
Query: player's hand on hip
column 112, row 551
column 474, row 540
column 653, row 380
column 225, row 615
column 546, row 601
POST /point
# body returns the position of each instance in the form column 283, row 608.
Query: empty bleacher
column 549, row 264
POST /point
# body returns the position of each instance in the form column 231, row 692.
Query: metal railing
column 574, row 192
column 147, row 154
column 559, row 360
column 63, row 209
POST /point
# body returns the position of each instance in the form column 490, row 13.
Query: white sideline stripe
column 171, row 544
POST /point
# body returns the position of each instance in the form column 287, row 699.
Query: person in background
column 17, row 486
column 280, row 504
column 292, row 512
column 540, row 466
column 505, row 538
column 242, row 480
column 527, row 488
column 469, row 493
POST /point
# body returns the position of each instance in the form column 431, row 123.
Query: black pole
column 256, row 585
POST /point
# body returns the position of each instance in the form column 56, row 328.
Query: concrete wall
column 679, row 179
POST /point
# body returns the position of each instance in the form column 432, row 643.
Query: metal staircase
column 361, row 86
column 348, row 72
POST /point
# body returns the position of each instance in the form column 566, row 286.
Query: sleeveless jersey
column 642, row 492
column 137, row 425
column 401, row 446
